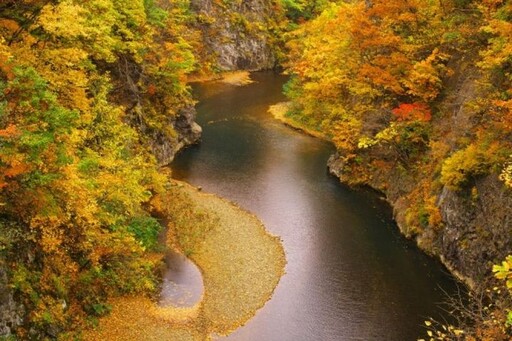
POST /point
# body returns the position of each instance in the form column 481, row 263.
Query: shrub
column 464, row 164
column 145, row 230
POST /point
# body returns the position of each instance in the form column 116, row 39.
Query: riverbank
column 279, row 112
column 240, row 261
column 335, row 166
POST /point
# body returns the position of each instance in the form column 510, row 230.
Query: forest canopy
column 76, row 176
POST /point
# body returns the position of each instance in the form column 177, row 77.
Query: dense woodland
column 83, row 82
column 76, row 176
column 372, row 74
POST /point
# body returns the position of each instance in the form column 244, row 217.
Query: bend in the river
column 350, row 274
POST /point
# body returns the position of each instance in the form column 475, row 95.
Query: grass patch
column 280, row 112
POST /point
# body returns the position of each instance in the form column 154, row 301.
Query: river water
column 350, row 274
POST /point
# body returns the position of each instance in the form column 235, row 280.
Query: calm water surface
column 350, row 275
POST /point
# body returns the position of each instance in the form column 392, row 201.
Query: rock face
column 236, row 33
column 188, row 132
column 10, row 311
column 476, row 228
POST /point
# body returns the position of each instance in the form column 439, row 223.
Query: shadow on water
column 350, row 274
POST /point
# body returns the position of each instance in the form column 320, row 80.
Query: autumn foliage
column 412, row 112
column 354, row 56
column 77, row 81
column 370, row 72
column 84, row 83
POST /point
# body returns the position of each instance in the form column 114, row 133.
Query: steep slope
column 238, row 35
column 467, row 227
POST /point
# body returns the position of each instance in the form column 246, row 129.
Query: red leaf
column 413, row 112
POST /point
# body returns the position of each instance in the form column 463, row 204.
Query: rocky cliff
column 237, row 35
column 476, row 229
column 234, row 35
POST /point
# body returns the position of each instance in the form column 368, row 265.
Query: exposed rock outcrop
column 188, row 132
column 10, row 312
column 237, row 34
column 476, row 227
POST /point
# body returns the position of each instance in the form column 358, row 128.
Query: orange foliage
column 151, row 89
column 16, row 170
column 412, row 112
column 381, row 77
column 9, row 132
column 8, row 25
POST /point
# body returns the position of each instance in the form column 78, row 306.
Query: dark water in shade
column 350, row 275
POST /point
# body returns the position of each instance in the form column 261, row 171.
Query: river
column 350, row 274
